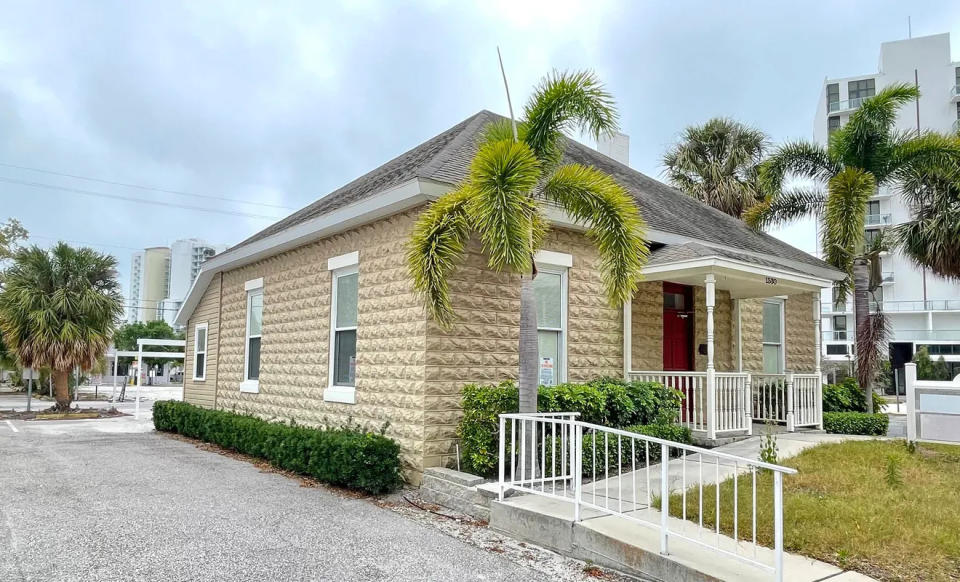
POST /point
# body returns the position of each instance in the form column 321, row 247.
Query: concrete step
column 634, row 548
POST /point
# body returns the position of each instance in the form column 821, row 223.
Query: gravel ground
column 96, row 505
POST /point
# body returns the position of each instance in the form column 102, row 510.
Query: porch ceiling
column 743, row 276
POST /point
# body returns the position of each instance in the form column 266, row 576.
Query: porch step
column 628, row 546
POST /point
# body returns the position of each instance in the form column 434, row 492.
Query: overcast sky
column 279, row 103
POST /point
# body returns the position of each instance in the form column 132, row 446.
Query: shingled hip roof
column 672, row 217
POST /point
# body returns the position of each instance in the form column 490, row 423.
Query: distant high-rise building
column 160, row 278
column 923, row 309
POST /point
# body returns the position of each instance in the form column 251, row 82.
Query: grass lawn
column 871, row 506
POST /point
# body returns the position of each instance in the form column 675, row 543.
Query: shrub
column 856, row 423
column 606, row 401
column 344, row 456
column 603, row 451
column 847, row 396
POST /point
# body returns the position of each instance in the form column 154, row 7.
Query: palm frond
column 798, row 158
column 562, row 101
column 615, row 224
column 787, row 206
column 931, row 238
column 844, row 214
column 436, row 246
column 502, row 175
column 910, row 155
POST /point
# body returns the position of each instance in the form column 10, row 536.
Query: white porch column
column 818, row 336
column 627, row 338
column 711, row 283
column 113, row 393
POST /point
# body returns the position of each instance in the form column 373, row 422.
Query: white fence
column 633, row 476
column 791, row 399
column 933, row 408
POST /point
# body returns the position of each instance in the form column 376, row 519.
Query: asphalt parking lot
column 112, row 500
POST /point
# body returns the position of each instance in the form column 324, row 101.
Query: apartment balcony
column 878, row 220
column 887, row 278
column 955, row 93
column 834, row 308
column 844, row 106
column 837, row 335
column 956, row 125
column 919, row 306
column 925, row 335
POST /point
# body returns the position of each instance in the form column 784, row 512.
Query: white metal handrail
column 622, row 473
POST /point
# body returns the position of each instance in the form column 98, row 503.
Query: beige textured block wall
column 751, row 334
column 482, row 346
column 647, row 323
column 203, row 392
column 391, row 334
column 800, row 333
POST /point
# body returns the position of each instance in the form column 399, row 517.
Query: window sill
column 195, row 379
column 251, row 386
column 344, row 394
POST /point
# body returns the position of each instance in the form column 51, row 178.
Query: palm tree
column 717, row 163
column 514, row 174
column 58, row 308
column 863, row 155
column 932, row 239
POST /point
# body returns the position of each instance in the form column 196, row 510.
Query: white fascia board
column 391, row 201
column 735, row 265
column 253, row 284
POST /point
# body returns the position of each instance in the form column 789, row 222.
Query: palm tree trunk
column 529, row 349
column 528, row 378
column 61, row 387
column 861, row 316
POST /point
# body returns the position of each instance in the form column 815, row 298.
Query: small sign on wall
column 546, row 371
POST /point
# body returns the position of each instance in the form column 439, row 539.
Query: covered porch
column 738, row 335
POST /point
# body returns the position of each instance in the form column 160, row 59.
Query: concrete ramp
column 633, row 548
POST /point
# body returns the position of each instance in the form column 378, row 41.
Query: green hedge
column 670, row 432
column 847, row 396
column 856, row 423
column 607, row 401
column 344, row 457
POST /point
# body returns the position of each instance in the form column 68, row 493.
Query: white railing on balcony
column 847, row 105
column 633, row 476
column 878, row 219
column 928, row 305
column 693, row 385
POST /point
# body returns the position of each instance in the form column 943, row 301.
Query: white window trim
column 347, row 266
column 557, row 264
column 252, row 287
column 783, row 332
column 206, row 342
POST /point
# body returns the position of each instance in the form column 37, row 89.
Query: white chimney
column 616, row 146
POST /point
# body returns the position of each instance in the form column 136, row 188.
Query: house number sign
column 770, row 280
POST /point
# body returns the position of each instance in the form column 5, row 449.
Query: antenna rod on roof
column 513, row 122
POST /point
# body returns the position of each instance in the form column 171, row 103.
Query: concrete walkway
column 628, row 491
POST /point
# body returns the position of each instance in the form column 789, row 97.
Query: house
column 314, row 318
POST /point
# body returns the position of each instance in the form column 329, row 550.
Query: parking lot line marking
column 13, row 428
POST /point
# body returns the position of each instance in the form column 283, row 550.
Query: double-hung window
column 343, row 328
column 200, row 351
column 773, row 336
column 254, row 333
column 550, row 288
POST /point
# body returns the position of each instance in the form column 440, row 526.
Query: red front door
column 677, row 327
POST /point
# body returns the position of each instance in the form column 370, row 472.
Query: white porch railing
column 633, row 476
column 791, row 399
column 740, row 398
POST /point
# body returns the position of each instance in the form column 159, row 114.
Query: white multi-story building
column 160, row 278
column 923, row 309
